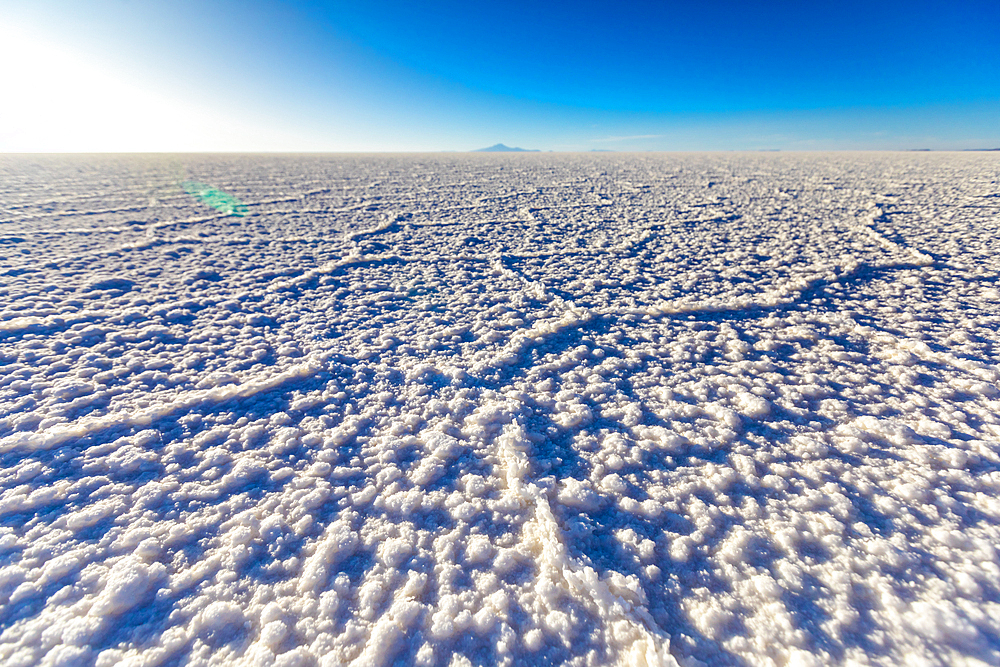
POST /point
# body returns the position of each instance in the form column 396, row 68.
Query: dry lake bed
column 474, row 409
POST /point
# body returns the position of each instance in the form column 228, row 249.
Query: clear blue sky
column 389, row 75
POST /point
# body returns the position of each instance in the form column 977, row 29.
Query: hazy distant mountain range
column 500, row 148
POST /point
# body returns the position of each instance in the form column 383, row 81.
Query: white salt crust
column 500, row 409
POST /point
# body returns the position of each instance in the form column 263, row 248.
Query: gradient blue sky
column 128, row 75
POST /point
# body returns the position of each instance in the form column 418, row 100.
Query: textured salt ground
column 500, row 409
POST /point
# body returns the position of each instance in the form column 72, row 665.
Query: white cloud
column 630, row 138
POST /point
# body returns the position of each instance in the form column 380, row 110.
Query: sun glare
column 59, row 100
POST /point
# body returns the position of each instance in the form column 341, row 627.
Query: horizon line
column 522, row 152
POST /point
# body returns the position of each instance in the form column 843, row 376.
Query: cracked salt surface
column 500, row 409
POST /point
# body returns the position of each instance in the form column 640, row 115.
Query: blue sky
column 125, row 75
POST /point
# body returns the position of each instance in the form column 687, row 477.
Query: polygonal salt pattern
column 500, row 409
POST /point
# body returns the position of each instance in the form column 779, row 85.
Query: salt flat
column 733, row 409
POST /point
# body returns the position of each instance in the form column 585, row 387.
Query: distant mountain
column 500, row 148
